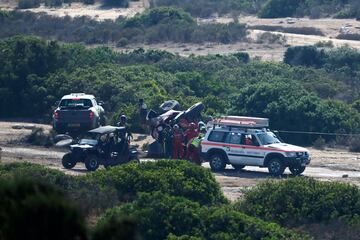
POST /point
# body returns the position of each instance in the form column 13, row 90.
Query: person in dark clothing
column 122, row 123
column 168, row 140
column 143, row 111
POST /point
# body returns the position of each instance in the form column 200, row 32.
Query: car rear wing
column 240, row 122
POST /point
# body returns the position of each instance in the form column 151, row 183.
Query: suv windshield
column 268, row 138
column 76, row 102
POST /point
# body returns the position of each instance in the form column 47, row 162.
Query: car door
column 253, row 153
column 234, row 150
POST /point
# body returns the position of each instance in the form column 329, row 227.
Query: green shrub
column 89, row 198
column 226, row 223
column 302, row 201
column 122, row 42
column 116, row 227
column 355, row 144
column 305, row 56
column 161, row 216
column 320, row 143
column 178, row 178
column 270, row 38
column 324, row 44
column 53, row 3
column 279, row 8
column 40, row 138
column 88, row 2
column 32, row 210
column 205, row 8
column 242, row 56
column 24, row 4
column 116, row 3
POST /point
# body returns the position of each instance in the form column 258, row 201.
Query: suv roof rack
column 77, row 94
column 240, row 121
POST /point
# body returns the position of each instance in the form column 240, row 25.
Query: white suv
column 246, row 141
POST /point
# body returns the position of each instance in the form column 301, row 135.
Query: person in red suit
column 178, row 143
column 190, row 134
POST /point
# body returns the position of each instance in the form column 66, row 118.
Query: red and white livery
column 247, row 141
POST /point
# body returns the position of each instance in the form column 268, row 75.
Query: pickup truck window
column 217, row 136
column 71, row 103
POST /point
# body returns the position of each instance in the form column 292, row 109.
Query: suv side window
column 250, row 140
column 233, row 138
column 216, row 136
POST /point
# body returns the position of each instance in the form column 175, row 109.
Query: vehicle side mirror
column 57, row 103
column 100, row 103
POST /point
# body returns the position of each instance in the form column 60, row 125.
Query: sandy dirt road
column 264, row 51
column 327, row 165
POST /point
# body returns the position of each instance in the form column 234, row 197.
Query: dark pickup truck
column 78, row 112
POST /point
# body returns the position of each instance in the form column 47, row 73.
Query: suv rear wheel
column 217, row 162
column 92, row 163
column 297, row 170
column 68, row 161
column 276, row 166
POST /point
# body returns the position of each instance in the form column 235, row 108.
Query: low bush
column 116, row 227
column 319, row 143
column 116, row 3
column 160, row 216
column 53, row 3
column 302, row 201
column 24, row 4
column 324, row 44
column 355, row 144
column 88, row 197
column 152, row 26
column 39, row 137
column 349, row 36
column 279, row 8
column 178, row 178
column 32, row 210
column 305, row 56
column 206, row 8
column 227, row 223
column 270, row 38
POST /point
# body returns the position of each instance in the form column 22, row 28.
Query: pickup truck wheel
column 276, row 167
column 68, row 161
column 217, row 162
column 92, row 163
column 296, row 171
column 238, row 167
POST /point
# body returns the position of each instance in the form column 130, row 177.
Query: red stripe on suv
column 242, row 146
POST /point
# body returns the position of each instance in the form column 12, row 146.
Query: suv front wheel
column 297, row 170
column 217, row 162
column 276, row 167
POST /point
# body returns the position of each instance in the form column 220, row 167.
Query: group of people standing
column 178, row 141
column 182, row 141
